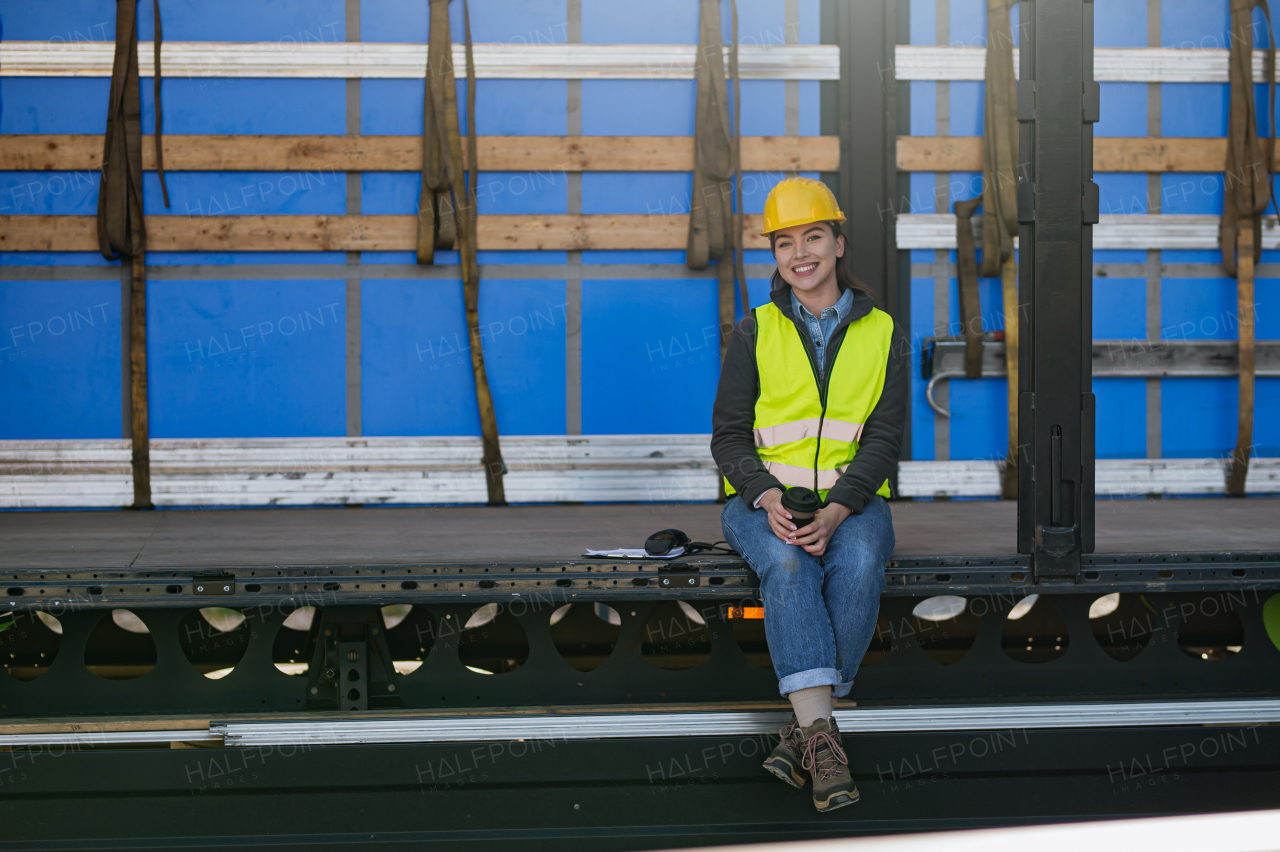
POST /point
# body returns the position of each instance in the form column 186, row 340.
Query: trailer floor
column 623, row 794
column 349, row 535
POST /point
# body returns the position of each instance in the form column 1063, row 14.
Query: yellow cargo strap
column 1250, row 172
column 121, row 229
column 447, row 209
column 715, row 231
column 999, row 225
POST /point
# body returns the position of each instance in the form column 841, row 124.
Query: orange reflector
column 746, row 612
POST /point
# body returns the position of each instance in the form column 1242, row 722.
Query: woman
column 813, row 393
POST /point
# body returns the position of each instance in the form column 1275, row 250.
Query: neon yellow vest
column 800, row 441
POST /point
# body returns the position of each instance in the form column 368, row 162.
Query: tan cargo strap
column 121, row 232
column 1250, row 172
column 155, row 89
column 715, row 231
column 970, row 306
column 436, row 228
column 447, row 209
column 999, row 201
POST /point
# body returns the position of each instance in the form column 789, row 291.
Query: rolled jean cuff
column 810, row 678
column 840, row 690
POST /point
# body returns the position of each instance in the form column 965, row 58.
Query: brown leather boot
column 822, row 755
column 784, row 760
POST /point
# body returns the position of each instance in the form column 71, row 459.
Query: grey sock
column 812, row 704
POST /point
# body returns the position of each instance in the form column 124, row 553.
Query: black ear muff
column 664, row 541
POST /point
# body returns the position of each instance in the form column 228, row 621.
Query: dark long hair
column 844, row 278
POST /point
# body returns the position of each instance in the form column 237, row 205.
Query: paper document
column 634, row 553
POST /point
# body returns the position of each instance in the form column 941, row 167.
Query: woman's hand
column 816, row 535
column 779, row 517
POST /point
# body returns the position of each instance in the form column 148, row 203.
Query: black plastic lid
column 801, row 500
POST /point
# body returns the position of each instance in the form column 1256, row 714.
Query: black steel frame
column 716, row 579
column 1057, row 206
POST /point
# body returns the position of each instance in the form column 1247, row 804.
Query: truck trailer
column 337, row 332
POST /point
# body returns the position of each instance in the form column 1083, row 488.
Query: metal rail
column 106, row 738
column 741, row 724
column 942, row 358
column 483, row 727
column 716, row 579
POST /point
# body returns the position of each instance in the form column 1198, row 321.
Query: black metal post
column 867, row 115
column 1057, row 205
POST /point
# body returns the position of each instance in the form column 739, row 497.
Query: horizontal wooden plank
column 361, row 233
column 939, row 153
column 1110, row 64
column 346, row 60
column 43, row 152
column 964, row 154
column 1159, row 155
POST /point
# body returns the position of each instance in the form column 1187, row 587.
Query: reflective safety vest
column 806, row 437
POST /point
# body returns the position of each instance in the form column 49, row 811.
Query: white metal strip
column 544, row 469
column 375, row 60
column 373, row 471
column 938, row 231
column 1110, row 64
column 1112, row 477
column 730, row 724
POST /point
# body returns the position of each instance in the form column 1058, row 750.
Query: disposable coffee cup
column 803, row 504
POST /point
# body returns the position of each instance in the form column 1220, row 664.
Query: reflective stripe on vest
column 799, row 442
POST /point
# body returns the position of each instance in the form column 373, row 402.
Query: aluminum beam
column 480, row 728
column 943, row 359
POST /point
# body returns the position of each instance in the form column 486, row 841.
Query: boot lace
column 823, row 755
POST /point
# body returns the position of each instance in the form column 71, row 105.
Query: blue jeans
column 819, row 611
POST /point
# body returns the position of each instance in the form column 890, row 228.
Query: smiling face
column 806, row 254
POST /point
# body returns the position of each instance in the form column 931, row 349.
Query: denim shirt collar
column 841, row 308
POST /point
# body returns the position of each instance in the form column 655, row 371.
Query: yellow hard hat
column 799, row 201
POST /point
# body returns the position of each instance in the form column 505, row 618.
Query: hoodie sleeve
column 733, row 418
column 881, row 443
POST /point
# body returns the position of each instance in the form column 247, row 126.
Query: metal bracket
column 213, row 584
column 1089, row 203
column 1092, row 111
column 943, row 358
column 353, row 675
column 352, row 668
column 1026, row 202
column 1026, row 100
column 678, row 575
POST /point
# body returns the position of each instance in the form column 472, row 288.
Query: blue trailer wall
column 266, row 353
column 226, row 359
column 1198, row 415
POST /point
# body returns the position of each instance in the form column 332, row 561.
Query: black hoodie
column 734, row 415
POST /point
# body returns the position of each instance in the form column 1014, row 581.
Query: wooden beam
column 940, row 153
column 964, row 154
column 360, row 233
column 404, row 153
column 1159, row 155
